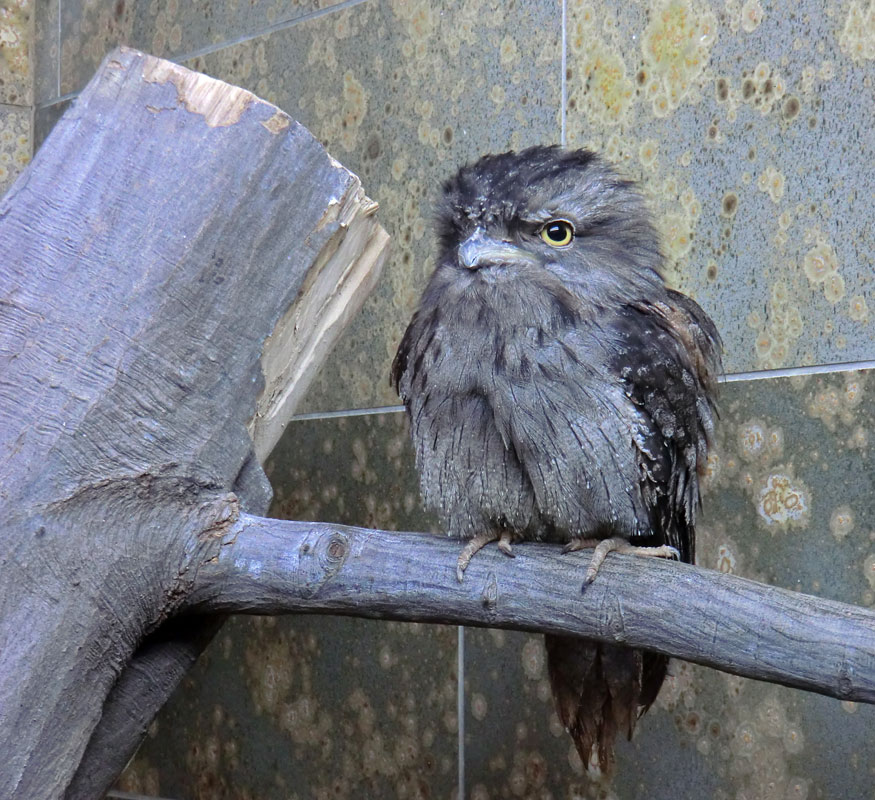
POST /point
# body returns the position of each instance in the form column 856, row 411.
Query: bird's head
column 547, row 215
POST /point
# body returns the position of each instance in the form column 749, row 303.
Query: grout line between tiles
column 563, row 80
column 460, row 707
column 58, row 45
column 354, row 412
column 793, row 372
column 56, row 101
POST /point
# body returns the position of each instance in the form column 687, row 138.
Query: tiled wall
column 750, row 126
column 16, row 88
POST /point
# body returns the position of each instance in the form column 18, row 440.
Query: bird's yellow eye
column 557, row 232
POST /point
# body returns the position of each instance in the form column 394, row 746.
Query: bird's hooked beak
column 480, row 250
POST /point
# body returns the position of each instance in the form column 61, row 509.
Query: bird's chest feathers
column 507, row 332
column 489, row 351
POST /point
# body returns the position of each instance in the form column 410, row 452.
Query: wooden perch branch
column 270, row 566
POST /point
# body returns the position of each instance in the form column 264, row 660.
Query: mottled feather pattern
column 563, row 392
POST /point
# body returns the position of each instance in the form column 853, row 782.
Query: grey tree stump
column 176, row 262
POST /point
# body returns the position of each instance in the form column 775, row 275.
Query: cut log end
column 343, row 276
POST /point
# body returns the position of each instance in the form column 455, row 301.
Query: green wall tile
column 16, row 37
column 308, row 707
column 750, row 127
column 15, row 143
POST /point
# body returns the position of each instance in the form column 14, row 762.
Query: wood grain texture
column 150, row 250
column 736, row 625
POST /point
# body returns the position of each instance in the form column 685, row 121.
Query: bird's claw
column 615, row 545
column 473, row 546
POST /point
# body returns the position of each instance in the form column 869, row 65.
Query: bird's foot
column 478, row 543
column 615, row 545
column 504, row 544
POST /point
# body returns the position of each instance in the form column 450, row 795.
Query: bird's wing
column 667, row 354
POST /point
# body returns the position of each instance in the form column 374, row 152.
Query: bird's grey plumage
column 559, row 391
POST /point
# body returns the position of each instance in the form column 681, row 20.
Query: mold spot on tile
column 841, row 522
column 355, row 104
column 857, row 39
column 783, row 500
column 834, row 287
column 751, row 15
column 772, row 182
column 725, row 559
column 869, row 569
column 794, row 741
column 859, row 310
column 677, row 235
column 790, row 108
column 373, row 148
column 647, row 153
column 607, row 92
column 855, row 384
column 676, row 46
column 478, row 706
column 819, row 262
column 729, row 205
column 752, row 440
column 533, row 658
column 775, row 442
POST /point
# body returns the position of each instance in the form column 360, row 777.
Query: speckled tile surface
column 749, row 130
column 791, row 502
column 750, row 126
column 402, row 93
column 15, row 138
column 355, row 470
column 167, row 28
column 318, row 707
column 308, row 707
column 16, row 37
column 791, row 493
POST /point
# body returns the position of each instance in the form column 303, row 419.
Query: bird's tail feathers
column 600, row 690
